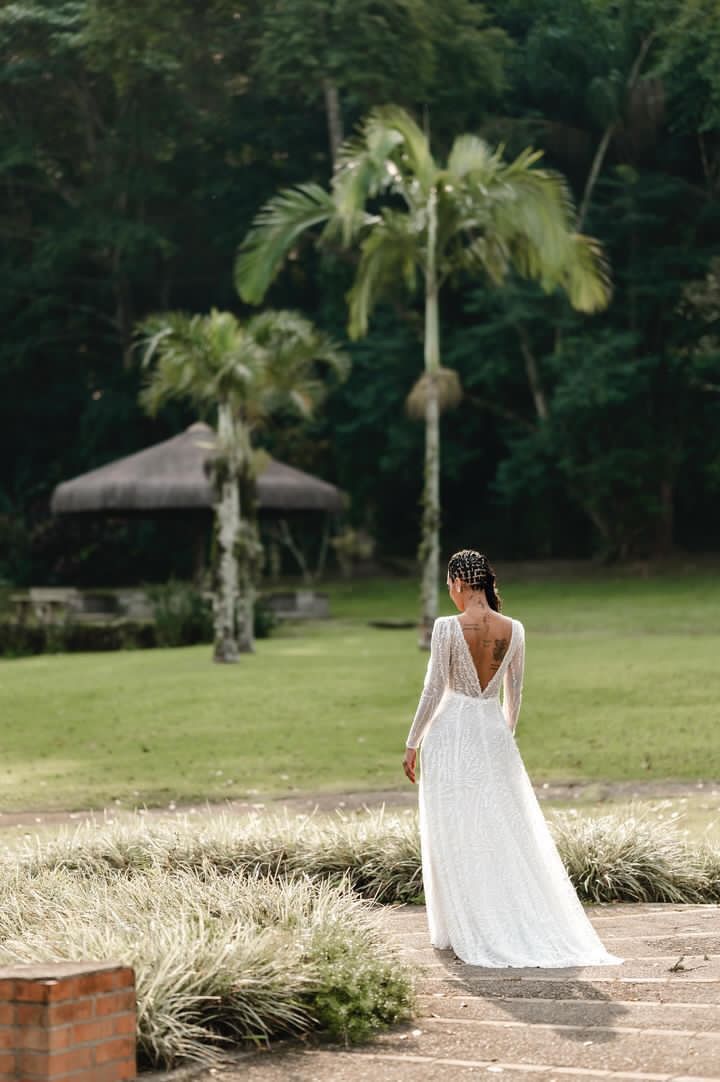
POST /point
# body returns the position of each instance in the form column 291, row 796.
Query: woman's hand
column 409, row 763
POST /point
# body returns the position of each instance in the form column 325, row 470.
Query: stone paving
column 655, row 1018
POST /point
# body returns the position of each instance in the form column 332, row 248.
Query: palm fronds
column 389, row 254
column 276, row 229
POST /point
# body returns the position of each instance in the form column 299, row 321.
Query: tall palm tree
column 413, row 217
column 247, row 373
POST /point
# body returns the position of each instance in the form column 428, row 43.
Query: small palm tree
column 411, row 218
column 247, row 373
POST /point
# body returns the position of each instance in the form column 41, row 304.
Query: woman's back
column 488, row 638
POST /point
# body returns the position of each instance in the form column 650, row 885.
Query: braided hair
column 474, row 569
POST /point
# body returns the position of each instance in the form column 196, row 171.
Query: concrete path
column 652, row 1019
column 577, row 792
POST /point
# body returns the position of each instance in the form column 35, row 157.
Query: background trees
column 475, row 214
column 243, row 376
column 139, row 140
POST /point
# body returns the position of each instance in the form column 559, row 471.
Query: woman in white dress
column 496, row 889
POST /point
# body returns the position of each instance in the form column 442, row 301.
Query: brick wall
column 67, row 1022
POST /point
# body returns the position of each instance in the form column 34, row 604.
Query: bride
column 496, row 889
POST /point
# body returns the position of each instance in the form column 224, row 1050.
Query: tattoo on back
column 500, row 648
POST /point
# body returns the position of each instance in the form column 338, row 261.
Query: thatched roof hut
column 171, row 476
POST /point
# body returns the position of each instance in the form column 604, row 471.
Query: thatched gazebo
column 171, row 478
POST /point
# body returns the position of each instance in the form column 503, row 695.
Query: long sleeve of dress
column 513, row 682
column 436, row 680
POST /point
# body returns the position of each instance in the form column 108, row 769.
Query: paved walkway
column 655, row 1018
column 578, row 792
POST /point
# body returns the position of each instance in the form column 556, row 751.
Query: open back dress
column 496, row 889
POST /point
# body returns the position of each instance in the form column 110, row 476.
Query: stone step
column 572, row 987
column 638, row 1014
column 361, row 1065
column 584, row 1047
column 653, row 963
column 658, row 967
column 680, row 940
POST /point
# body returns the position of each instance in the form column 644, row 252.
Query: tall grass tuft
column 633, row 858
column 621, row 856
column 378, row 855
column 220, row 959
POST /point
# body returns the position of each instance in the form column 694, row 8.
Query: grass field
column 622, row 682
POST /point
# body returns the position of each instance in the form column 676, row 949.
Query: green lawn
column 622, row 682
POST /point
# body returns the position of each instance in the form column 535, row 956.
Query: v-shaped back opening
column 501, row 666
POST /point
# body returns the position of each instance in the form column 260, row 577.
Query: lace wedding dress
column 496, row 888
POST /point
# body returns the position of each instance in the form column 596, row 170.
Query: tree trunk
column 334, row 117
column 249, row 552
column 533, row 374
column 227, row 526
column 604, row 143
column 429, row 551
column 666, row 519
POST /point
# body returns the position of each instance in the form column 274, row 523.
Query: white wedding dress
column 496, row 888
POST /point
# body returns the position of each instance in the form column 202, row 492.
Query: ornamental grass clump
column 623, row 856
column 220, row 959
column 634, row 858
column 377, row 854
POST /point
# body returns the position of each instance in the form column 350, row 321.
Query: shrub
column 633, row 858
column 265, row 619
column 19, row 639
column 183, row 615
column 219, row 960
column 617, row 857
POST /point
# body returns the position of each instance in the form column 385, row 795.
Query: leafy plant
column 183, row 615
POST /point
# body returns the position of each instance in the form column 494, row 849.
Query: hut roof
column 171, row 475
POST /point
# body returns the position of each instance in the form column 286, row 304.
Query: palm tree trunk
column 334, row 117
column 227, row 525
column 429, row 552
column 249, row 552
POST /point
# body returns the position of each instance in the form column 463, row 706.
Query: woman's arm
column 436, row 679
column 513, row 681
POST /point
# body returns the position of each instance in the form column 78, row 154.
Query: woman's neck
column 477, row 607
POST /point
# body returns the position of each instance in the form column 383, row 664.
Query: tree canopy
column 139, row 142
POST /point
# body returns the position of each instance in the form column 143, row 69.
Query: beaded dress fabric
column 496, row 889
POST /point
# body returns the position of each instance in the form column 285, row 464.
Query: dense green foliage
column 139, row 141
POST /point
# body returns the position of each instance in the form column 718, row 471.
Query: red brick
column 66, row 988
column 31, row 1014
column 72, row 1059
column 74, row 1010
column 124, row 1023
column 60, row 1037
column 33, row 991
column 7, row 1013
column 117, row 1071
column 8, row 1037
column 7, row 988
column 115, row 1002
column 118, row 1048
column 32, row 1063
column 95, row 1029
column 105, row 980
column 33, row 1038
column 8, row 1063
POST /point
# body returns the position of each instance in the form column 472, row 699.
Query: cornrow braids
column 473, row 568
